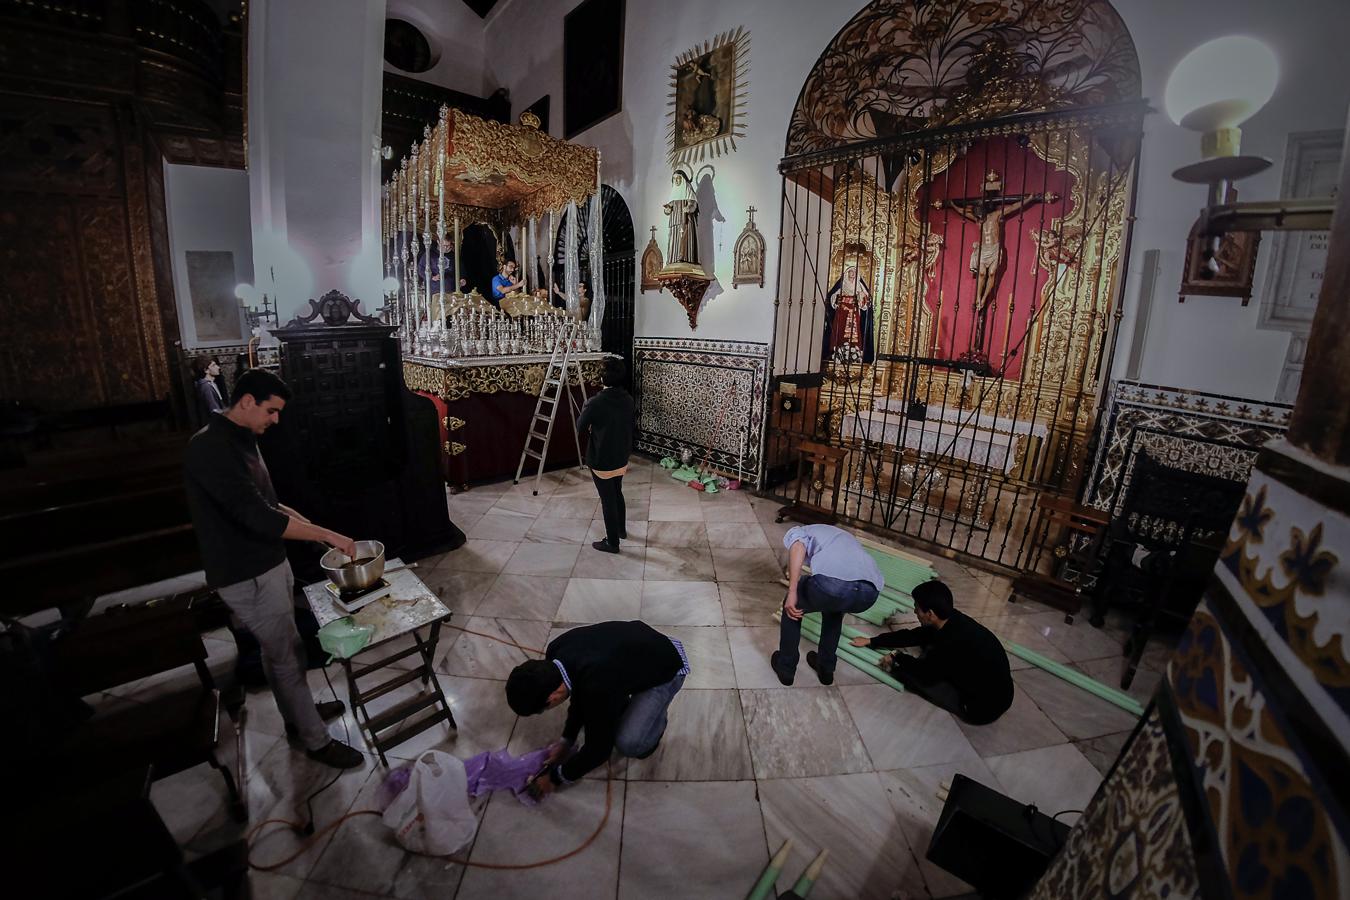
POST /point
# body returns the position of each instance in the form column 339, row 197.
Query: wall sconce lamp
column 390, row 287
column 1213, row 90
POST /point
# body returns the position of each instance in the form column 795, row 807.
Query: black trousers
column 939, row 693
column 612, row 507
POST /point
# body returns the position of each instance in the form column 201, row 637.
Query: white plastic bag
column 432, row 814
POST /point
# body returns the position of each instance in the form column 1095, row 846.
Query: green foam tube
column 1078, row 679
column 808, row 880
column 770, row 874
column 850, row 655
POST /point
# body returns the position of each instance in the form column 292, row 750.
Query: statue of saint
column 848, row 320
column 682, row 208
column 988, row 212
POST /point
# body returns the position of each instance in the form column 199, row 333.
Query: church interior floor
column 745, row 762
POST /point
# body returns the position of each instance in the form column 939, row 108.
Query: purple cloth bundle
column 493, row 770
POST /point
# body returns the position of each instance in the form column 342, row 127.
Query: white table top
column 410, row 604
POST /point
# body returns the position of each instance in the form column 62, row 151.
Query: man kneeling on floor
column 963, row 668
column 620, row 678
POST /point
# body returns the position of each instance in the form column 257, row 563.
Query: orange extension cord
column 253, row 836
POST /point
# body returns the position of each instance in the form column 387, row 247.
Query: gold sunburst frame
column 707, row 97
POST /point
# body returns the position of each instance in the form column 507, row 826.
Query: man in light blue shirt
column 843, row 579
column 506, row 282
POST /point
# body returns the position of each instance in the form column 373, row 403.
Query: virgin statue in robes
column 682, row 208
column 848, row 320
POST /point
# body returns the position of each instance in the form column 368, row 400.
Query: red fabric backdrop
column 1020, row 274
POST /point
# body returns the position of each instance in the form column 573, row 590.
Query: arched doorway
column 619, row 269
column 945, row 295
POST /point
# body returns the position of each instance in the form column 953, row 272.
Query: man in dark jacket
column 609, row 416
column 241, row 529
column 620, row 678
column 963, row 669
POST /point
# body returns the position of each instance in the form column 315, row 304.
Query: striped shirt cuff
column 679, row 648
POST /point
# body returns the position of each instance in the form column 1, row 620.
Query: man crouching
column 620, row 678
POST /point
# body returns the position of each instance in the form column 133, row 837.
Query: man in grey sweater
column 241, row 529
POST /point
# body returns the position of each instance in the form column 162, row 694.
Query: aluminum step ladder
column 561, row 364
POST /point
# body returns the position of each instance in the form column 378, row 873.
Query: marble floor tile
column 667, row 826
column 709, row 656
column 187, row 801
column 479, row 657
column 677, row 534
column 524, row 596
column 750, row 602
column 1011, row 627
column 478, row 556
column 629, row 564
column 731, row 535
column 461, row 592
column 746, row 565
column 316, row 890
column 902, row 730
column 470, row 505
column 1109, row 672
column 362, row 855
column 1103, row 751
column 678, row 564
column 802, row 732
column 680, row 603
column 500, row 527
column 270, row 886
column 574, row 508
column 1074, row 711
column 532, row 558
column 870, row 856
column 661, row 511
column 750, row 649
column 557, row 531
column 637, row 511
column 742, row 513
column 521, row 504
column 514, row 833
column 913, row 795
column 427, row 878
column 1054, row 778
column 575, row 489
column 704, row 741
column 1079, row 641
column 637, row 532
column 600, row 600
column 1022, row 727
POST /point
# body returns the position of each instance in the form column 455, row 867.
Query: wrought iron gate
column 946, row 311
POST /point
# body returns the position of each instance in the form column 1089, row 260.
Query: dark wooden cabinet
column 356, row 451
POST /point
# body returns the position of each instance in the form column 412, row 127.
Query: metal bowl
column 355, row 578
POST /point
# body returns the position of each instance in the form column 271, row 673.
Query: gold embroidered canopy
column 514, row 171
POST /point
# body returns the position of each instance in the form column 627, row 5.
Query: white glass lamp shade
column 390, row 285
column 246, row 292
column 1218, row 86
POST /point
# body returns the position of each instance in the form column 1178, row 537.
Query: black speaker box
column 993, row 842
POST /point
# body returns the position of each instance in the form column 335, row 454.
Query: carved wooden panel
column 59, row 147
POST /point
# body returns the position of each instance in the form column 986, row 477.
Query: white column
column 315, row 70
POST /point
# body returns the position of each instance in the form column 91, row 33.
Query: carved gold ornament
column 458, row 382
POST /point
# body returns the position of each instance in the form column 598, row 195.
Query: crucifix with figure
column 988, row 211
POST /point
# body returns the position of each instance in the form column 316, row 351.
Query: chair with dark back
column 172, row 731
column 1161, row 547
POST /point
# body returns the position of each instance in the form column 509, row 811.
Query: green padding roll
column 764, row 885
column 1078, row 679
column 853, row 656
column 900, row 574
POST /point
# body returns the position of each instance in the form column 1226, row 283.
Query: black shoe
column 825, row 677
column 605, row 546
column 338, row 755
column 329, row 709
column 785, row 679
column 623, row 535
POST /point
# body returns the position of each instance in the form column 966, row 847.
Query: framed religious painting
column 592, row 64
column 707, row 97
column 1237, row 264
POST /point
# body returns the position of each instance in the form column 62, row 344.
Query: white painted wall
column 313, row 123
column 786, row 36
column 207, row 210
column 1206, row 343
column 457, row 37
column 1212, row 343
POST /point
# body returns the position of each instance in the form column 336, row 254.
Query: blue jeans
column 831, row 597
column 644, row 719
